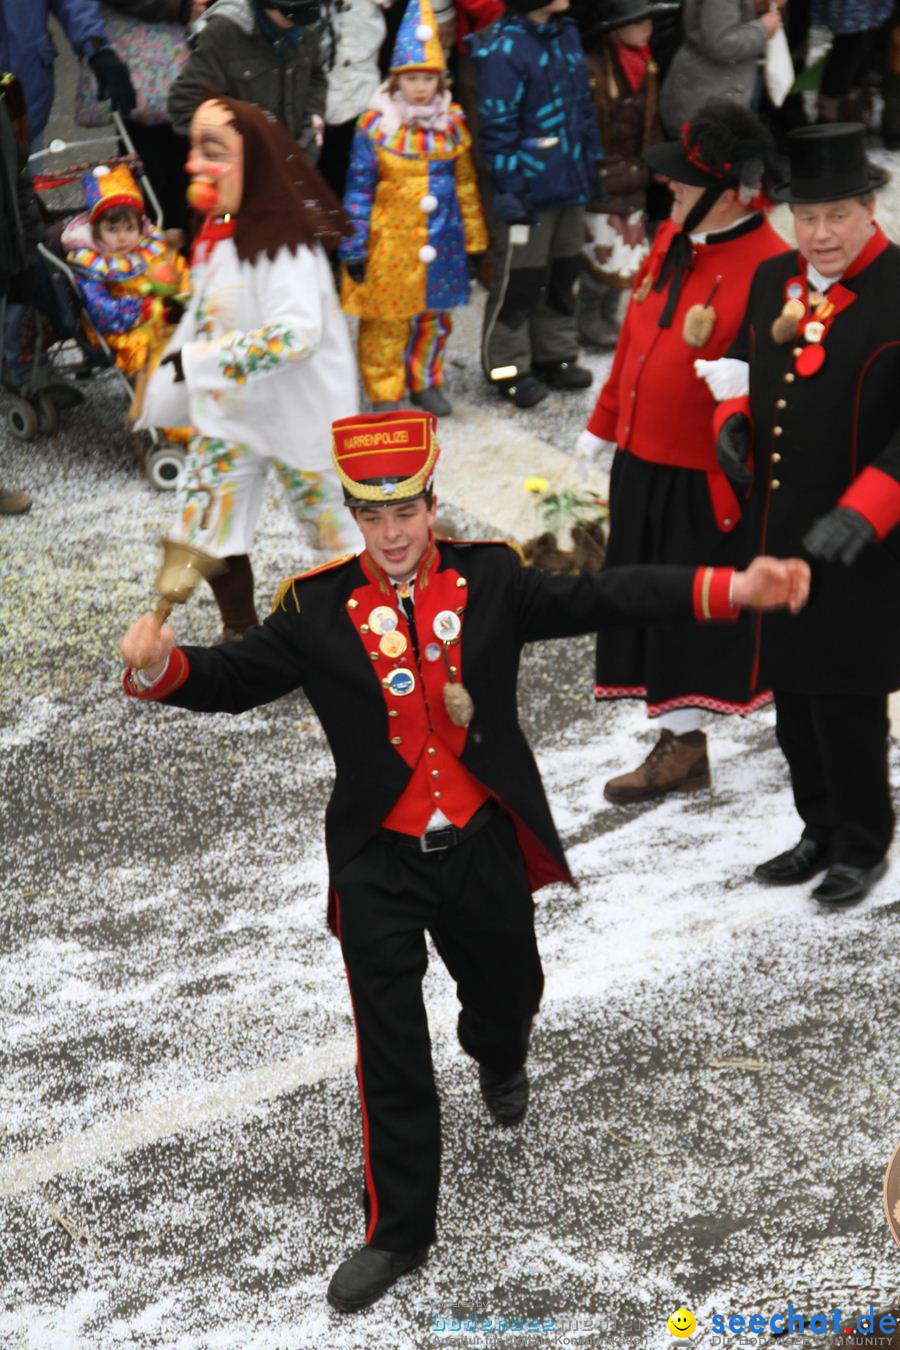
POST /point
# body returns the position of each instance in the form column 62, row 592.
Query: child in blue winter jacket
column 538, row 136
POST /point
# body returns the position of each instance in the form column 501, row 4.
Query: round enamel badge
column 400, row 682
column 383, row 619
column 447, row 625
column 392, row 644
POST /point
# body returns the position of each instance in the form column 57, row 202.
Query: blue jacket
column 26, row 47
column 538, row 131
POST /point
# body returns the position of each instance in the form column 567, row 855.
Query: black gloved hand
column 174, row 359
column 113, row 80
column 842, row 533
column 732, row 449
column 511, row 209
column 173, row 308
column 356, row 270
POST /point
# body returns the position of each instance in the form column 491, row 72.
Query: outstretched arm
column 265, row 664
column 564, row 606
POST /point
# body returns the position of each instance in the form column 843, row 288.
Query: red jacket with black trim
column 653, row 404
column 822, row 439
column 378, row 712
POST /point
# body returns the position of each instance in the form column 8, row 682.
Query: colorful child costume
column 414, row 206
column 261, row 364
column 114, row 285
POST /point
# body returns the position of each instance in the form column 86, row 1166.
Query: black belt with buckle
column 448, row 836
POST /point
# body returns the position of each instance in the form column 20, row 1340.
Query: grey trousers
column 529, row 317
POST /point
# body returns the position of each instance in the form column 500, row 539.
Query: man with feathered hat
column 437, row 821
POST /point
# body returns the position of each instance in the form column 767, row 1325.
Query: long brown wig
column 286, row 202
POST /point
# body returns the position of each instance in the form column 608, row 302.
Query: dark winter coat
column 26, row 47
column 628, row 123
column 314, row 639
column 813, row 438
column 538, row 126
column 231, row 56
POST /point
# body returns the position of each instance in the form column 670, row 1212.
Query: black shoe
column 525, row 391
column 799, row 863
column 433, row 400
column 505, row 1095
column 565, row 375
column 842, row 883
column 362, row 1279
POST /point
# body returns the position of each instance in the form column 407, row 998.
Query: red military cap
column 386, row 457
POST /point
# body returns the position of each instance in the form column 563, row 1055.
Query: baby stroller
column 73, row 350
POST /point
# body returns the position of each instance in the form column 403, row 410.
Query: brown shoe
column 675, row 764
column 13, row 503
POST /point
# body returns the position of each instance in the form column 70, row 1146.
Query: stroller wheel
column 48, row 413
column 164, row 466
column 22, row 419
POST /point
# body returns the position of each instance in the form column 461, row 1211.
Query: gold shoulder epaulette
column 508, row 543
column 287, row 586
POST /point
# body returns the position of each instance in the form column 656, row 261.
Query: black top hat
column 726, row 145
column 827, row 163
column 602, row 16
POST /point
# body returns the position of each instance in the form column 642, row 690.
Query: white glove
column 588, row 449
column 726, row 378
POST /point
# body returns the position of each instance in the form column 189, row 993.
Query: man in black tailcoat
column 821, row 337
column 438, row 821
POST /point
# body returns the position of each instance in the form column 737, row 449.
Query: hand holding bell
column 149, row 641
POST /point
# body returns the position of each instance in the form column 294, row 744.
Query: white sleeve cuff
column 140, row 677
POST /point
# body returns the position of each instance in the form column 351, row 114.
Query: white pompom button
column 427, row 253
column 428, row 203
column 101, row 170
column 424, row 32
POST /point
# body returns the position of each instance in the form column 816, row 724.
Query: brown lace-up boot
column 675, row 764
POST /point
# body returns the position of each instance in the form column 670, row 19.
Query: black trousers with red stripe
column 836, row 746
column 475, row 901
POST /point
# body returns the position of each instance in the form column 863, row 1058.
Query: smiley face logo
column 682, row 1323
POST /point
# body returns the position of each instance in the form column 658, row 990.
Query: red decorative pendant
column 811, row 359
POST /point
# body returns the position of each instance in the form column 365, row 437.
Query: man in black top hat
column 822, row 428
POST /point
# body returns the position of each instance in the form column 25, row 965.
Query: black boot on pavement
column 796, row 864
column 844, row 884
column 361, row 1280
column 564, row 375
column 525, row 391
column 505, row 1095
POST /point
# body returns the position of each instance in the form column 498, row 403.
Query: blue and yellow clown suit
column 413, row 202
column 114, row 286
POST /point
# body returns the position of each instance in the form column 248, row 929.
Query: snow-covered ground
column 714, row 1070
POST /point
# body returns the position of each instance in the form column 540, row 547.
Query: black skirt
column 660, row 514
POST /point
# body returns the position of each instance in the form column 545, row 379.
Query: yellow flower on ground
column 536, row 484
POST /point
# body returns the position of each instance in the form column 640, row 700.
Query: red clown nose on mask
column 203, row 195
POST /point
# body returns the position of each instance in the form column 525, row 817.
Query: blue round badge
column 433, row 652
column 400, row 682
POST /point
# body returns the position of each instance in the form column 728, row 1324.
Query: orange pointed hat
column 106, row 187
column 383, row 458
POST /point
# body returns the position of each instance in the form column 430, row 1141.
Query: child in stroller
column 129, row 275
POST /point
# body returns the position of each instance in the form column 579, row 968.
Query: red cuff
column 172, row 678
column 712, row 595
column 727, row 408
column 876, row 496
column 603, row 421
column 724, row 501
